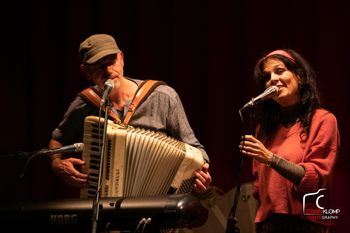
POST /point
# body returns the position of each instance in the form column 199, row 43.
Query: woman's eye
column 279, row 71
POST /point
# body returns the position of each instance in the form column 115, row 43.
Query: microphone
column 109, row 85
column 268, row 93
column 76, row 147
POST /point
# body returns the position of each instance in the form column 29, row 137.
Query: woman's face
column 277, row 74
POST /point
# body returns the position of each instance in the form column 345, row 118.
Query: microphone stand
column 232, row 220
column 96, row 205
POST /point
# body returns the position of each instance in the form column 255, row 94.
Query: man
column 101, row 59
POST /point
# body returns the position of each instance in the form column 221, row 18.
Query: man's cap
column 96, row 47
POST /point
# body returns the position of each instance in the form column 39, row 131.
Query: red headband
column 282, row 53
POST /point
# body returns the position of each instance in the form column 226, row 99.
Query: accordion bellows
column 137, row 162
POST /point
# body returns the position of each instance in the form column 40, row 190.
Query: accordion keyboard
column 137, row 162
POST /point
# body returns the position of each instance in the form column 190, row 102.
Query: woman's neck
column 289, row 116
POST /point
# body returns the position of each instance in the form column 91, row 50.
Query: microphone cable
column 30, row 157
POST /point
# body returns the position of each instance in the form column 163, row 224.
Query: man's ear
column 82, row 68
column 84, row 72
column 121, row 56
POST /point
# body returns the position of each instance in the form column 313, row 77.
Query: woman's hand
column 254, row 148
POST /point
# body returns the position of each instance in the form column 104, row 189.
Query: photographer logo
column 314, row 206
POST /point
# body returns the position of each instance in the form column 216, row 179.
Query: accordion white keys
column 137, row 162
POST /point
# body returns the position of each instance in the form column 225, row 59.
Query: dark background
column 204, row 49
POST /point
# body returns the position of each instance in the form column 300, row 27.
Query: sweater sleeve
column 289, row 170
column 321, row 152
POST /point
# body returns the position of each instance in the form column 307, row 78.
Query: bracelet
column 269, row 163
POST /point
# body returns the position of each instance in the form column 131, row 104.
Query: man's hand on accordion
column 65, row 169
column 203, row 179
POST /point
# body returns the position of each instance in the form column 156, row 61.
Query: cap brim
column 102, row 54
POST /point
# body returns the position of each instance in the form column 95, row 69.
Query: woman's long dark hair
column 269, row 112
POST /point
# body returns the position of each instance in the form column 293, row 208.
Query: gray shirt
column 161, row 111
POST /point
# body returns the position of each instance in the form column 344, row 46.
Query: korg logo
column 64, row 219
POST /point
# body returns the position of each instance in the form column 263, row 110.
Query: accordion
column 136, row 161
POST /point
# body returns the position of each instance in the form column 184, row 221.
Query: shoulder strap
column 144, row 90
column 90, row 95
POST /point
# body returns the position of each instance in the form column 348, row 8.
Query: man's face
column 108, row 67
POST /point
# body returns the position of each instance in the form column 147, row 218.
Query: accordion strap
column 143, row 91
column 90, row 95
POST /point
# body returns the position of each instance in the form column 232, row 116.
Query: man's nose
column 108, row 71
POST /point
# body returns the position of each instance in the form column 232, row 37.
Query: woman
column 294, row 148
